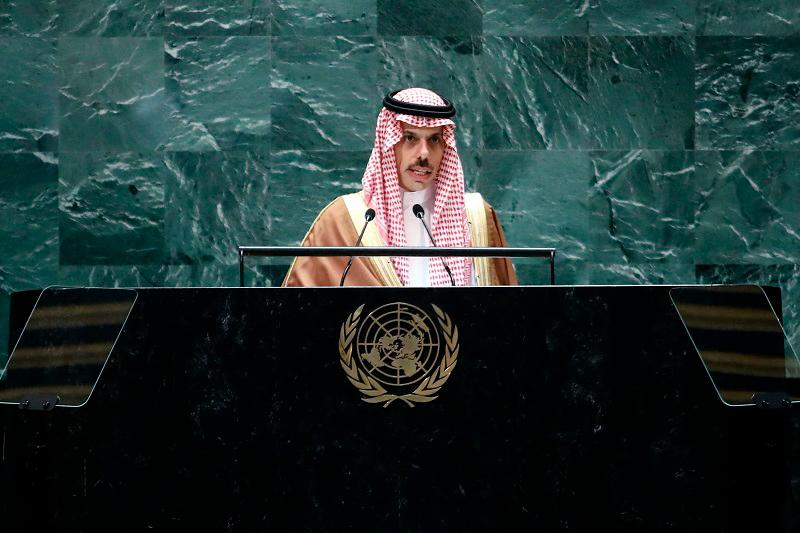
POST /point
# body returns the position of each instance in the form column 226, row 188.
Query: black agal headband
column 432, row 111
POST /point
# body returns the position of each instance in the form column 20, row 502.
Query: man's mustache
column 421, row 163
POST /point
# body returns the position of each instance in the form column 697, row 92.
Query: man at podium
column 413, row 183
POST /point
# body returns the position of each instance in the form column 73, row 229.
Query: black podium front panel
column 560, row 408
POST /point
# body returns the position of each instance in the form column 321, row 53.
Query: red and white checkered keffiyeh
column 382, row 190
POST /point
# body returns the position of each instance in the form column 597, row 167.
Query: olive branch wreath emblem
column 372, row 390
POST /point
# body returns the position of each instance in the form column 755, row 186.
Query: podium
column 503, row 408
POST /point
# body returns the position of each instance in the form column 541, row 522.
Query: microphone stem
column 444, row 263
column 350, row 261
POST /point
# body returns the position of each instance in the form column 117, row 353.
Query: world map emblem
column 398, row 351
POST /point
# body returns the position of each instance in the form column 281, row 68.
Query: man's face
column 418, row 156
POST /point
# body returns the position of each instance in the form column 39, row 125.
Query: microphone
column 369, row 214
column 420, row 213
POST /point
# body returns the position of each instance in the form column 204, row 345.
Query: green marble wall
column 650, row 142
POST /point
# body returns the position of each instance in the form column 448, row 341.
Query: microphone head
column 418, row 211
column 369, row 214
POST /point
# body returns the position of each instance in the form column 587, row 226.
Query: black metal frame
column 392, row 251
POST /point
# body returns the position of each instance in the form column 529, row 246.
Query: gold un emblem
column 398, row 352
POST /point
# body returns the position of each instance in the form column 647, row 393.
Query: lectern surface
column 528, row 408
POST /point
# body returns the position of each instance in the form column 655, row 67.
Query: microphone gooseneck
column 369, row 214
column 419, row 212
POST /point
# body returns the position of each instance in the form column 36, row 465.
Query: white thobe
column 418, row 267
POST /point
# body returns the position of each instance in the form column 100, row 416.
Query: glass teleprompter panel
column 741, row 342
column 64, row 346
